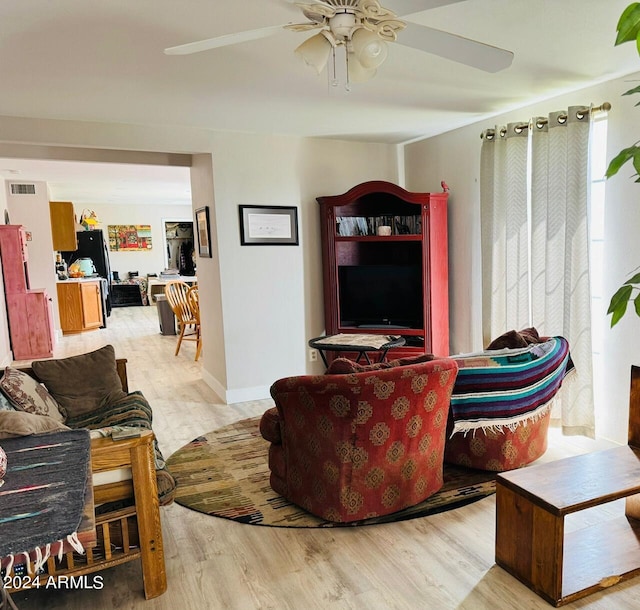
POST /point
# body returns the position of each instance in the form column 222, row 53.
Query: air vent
column 23, row 189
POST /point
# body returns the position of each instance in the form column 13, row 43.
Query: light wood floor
column 441, row 562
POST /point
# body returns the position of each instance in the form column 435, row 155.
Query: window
column 599, row 301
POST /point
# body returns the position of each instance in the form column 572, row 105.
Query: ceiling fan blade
column 407, row 7
column 303, row 27
column 223, row 41
column 316, row 12
column 457, row 48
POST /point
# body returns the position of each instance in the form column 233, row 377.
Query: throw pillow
column 515, row 339
column 83, row 383
column 344, row 366
column 340, row 366
column 530, row 335
column 409, row 360
column 21, row 423
column 29, row 395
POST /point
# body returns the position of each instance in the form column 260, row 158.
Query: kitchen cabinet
column 80, row 305
column 63, row 226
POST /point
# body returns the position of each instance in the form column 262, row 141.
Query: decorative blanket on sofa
column 503, row 388
column 44, row 504
column 130, row 411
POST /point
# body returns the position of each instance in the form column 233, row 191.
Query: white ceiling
column 88, row 184
column 104, row 61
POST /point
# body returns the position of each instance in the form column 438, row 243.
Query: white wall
column 272, row 295
column 214, row 358
column 270, row 298
column 455, row 158
column 332, row 167
column 32, row 211
column 149, row 261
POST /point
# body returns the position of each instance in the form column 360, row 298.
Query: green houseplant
column 628, row 31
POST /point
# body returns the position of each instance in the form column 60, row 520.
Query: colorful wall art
column 129, row 237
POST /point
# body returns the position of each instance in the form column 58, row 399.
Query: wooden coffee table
column 532, row 503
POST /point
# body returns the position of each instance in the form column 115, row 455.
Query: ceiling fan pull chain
column 347, row 84
column 334, row 80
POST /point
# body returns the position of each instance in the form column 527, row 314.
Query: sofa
column 502, row 401
column 352, row 444
column 130, row 479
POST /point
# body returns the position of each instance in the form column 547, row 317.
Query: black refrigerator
column 91, row 244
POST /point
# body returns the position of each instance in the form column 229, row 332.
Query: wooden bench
column 123, row 534
column 531, row 505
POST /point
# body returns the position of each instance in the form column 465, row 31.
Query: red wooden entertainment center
column 382, row 283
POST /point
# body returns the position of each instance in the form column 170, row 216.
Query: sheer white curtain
column 561, row 293
column 505, row 265
column 536, row 257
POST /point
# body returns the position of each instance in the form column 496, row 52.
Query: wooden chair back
column 193, row 300
column 176, row 293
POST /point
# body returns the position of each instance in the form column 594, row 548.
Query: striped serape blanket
column 502, row 388
column 46, row 498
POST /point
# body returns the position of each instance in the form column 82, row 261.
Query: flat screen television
column 381, row 295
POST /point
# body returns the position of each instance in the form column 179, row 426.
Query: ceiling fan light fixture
column 342, row 24
column 356, row 72
column 370, row 50
column 315, row 51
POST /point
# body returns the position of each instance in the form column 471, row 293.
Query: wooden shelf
column 404, row 332
column 600, row 556
column 420, row 258
column 29, row 312
column 380, row 238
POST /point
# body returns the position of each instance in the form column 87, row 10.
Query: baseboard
column 247, row 394
column 231, row 397
column 215, row 385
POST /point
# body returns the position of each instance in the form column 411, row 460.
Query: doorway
column 179, row 245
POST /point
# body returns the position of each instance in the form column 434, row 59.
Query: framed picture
column 204, row 235
column 130, row 238
column 268, row 224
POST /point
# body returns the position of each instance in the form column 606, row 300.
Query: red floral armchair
column 352, row 446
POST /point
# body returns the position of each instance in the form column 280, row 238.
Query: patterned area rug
column 225, row 474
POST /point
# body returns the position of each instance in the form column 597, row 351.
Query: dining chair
column 176, row 292
column 193, row 298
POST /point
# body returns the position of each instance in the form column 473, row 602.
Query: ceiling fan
column 363, row 28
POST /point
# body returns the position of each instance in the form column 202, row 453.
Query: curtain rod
column 541, row 122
